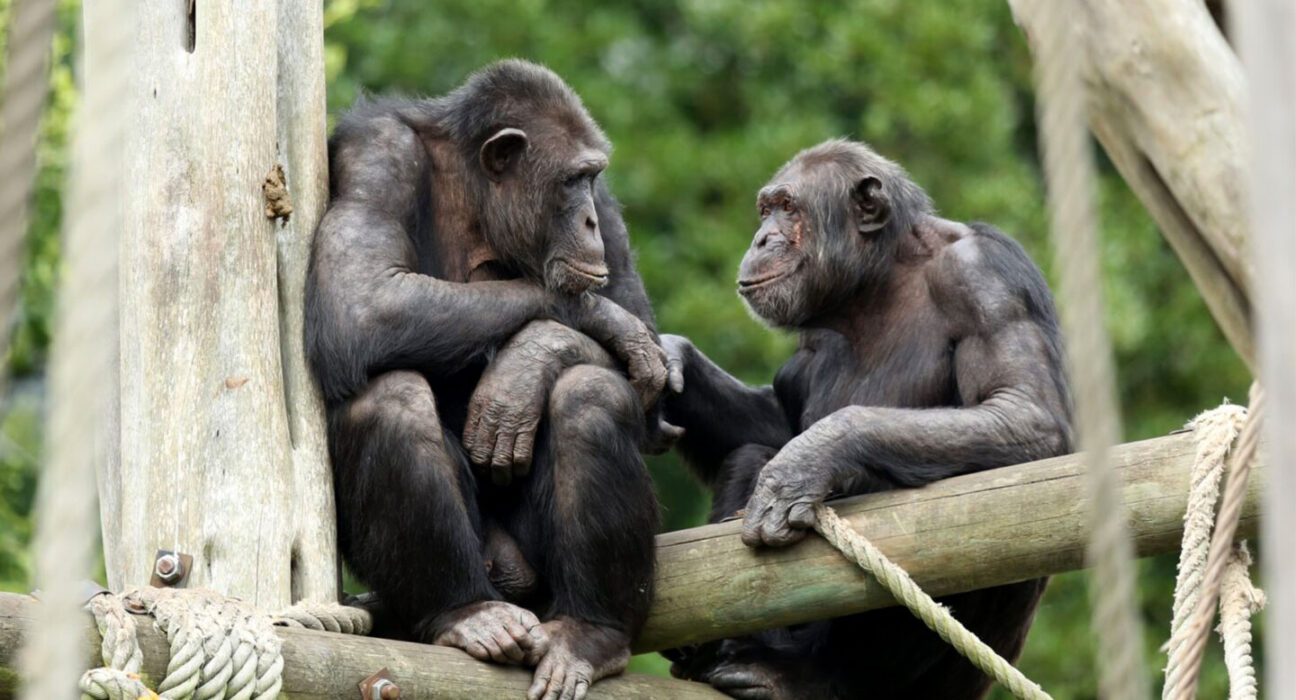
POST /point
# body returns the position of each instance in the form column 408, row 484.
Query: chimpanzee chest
column 899, row 365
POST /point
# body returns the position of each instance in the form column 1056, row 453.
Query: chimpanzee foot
column 580, row 653
column 493, row 630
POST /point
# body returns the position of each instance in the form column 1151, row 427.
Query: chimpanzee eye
column 765, row 211
column 787, row 206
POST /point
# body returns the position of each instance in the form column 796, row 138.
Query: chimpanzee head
column 535, row 156
column 830, row 221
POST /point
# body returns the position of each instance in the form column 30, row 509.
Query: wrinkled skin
column 491, row 374
column 927, row 349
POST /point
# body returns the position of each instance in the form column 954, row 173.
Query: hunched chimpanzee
column 927, row 348
column 451, row 293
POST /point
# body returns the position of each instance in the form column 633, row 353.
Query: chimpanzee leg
column 587, row 523
column 408, row 522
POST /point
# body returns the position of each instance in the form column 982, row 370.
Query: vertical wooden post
column 1264, row 31
column 222, row 451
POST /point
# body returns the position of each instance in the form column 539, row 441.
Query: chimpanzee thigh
column 586, row 515
column 408, row 522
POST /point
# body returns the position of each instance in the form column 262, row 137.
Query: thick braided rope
column 26, row 84
column 1214, row 432
column 858, row 549
column 1186, row 653
column 118, row 678
column 326, row 617
column 219, row 647
column 1069, row 174
column 1239, row 600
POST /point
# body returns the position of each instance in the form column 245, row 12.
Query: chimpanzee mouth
column 750, row 285
column 596, row 275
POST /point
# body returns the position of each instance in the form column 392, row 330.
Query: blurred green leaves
column 704, row 99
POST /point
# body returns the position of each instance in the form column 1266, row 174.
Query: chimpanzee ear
column 871, row 205
column 502, row 151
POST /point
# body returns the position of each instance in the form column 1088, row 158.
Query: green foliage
column 704, row 99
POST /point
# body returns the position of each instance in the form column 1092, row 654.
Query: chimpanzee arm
column 509, row 400
column 368, row 309
column 1008, row 369
column 718, row 412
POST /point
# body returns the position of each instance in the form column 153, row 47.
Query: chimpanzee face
column 823, row 235
column 540, row 213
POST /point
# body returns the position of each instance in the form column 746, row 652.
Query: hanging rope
column 82, row 365
column 1208, row 583
column 937, row 617
column 1068, row 169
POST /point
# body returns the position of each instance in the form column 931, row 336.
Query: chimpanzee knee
column 599, row 501
column 404, row 489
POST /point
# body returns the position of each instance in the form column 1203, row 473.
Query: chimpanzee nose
column 591, row 224
column 763, row 237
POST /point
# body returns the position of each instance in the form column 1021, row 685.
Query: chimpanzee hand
column 678, row 350
column 507, row 405
column 629, row 339
column 801, row 475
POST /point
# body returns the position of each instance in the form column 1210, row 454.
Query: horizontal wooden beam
column 324, row 666
column 960, row 534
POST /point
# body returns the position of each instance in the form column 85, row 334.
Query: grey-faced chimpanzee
column 928, row 348
column 451, row 293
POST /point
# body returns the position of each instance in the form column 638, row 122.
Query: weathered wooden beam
column 1166, row 99
column 960, row 534
column 323, row 666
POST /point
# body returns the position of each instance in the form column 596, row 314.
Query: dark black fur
column 927, row 349
column 402, row 319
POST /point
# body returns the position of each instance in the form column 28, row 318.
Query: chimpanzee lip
column 596, row 274
column 750, row 284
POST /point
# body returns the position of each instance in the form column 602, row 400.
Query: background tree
column 703, row 100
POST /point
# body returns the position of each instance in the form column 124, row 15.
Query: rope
column 326, row 617
column 119, row 678
column 1239, row 600
column 937, row 617
column 1068, row 168
column 82, row 368
column 220, row 647
column 1214, row 431
column 1223, row 577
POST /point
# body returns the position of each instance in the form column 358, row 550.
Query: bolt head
column 168, row 567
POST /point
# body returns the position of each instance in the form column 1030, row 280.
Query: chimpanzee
column 927, row 348
column 451, row 293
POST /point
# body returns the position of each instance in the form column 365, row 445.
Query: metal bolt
column 384, row 689
column 168, row 568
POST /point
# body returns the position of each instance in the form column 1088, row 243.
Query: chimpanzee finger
column 556, row 682
column 753, row 521
column 540, row 681
column 582, row 689
column 483, row 440
column 502, row 457
column 802, row 515
column 675, row 374
column 510, row 652
column 522, row 449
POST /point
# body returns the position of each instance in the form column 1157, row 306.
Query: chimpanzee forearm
column 718, row 412
column 868, row 448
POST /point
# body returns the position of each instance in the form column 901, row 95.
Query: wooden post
column 1166, row 100
column 222, row 452
column 1264, row 38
